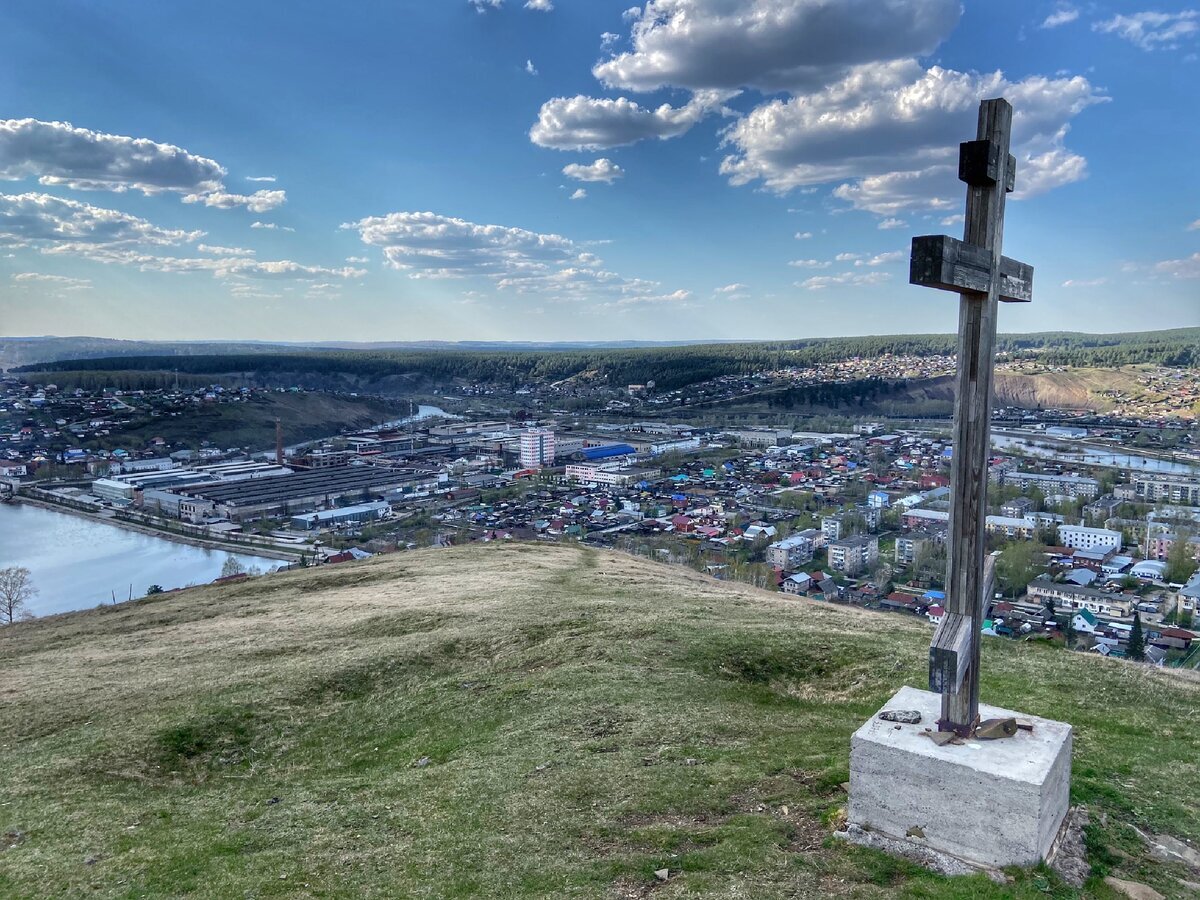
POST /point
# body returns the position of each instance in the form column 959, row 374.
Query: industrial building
column 346, row 515
column 304, row 491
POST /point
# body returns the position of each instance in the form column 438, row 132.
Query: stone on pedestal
column 991, row 803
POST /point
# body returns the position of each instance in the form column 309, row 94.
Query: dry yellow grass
column 509, row 720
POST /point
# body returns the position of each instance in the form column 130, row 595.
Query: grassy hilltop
column 515, row 721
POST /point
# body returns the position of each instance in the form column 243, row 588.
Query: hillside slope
column 513, row 721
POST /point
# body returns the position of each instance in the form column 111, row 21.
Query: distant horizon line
column 336, row 343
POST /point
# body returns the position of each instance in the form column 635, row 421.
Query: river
column 78, row 563
column 1089, row 455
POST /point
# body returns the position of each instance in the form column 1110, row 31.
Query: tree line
column 670, row 368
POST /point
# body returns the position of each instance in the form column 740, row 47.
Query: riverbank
column 270, row 551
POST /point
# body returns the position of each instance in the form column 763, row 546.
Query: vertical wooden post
column 972, row 416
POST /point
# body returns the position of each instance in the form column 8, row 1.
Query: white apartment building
column 537, row 448
column 1083, row 538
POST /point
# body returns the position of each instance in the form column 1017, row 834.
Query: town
column 1090, row 555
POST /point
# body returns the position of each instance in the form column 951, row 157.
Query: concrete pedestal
column 992, row 803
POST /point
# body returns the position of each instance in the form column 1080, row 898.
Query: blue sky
column 579, row 169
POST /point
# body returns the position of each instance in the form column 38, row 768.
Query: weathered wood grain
column 939, row 261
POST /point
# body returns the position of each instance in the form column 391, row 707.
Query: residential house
column 853, row 555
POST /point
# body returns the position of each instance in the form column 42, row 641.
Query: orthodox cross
column 975, row 270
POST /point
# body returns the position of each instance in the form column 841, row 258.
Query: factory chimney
column 278, row 442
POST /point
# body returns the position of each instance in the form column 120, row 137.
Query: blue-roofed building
column 607, row 451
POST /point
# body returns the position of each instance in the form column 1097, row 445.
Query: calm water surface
column 78, row 563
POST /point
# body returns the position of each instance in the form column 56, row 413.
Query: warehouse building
column 346, row 515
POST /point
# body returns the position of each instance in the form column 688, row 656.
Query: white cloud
column 770, row 44
column 267, row 178
column 219, row 267
column 1061, row 16
column 608, row 38
column 42, row 220
column 530, row 68
column 810, row 263
column 482, row 6
column 890, row 223
column 803, row 235
column 579, row 194
column 882, row 259
column 848, row 257
column 1152, row 30
column 821, row 282
column 1195, row 226
column 539, row 5
column 61, row 282
column 271, row 226
column 593, row 123
column 1084, row 282
column 428, row 245
column 357, row 259
column 1188, row 267
column 58, row 153
column 601, row 170
column 216, row 250
column 735, row 288
column 674, row 297
column 258, row 202
column 956, row 219
column 632, row 14
column 900, row 124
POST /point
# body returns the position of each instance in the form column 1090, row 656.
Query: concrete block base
column 991, row 803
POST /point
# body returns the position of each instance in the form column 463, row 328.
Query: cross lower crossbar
column 940, row 261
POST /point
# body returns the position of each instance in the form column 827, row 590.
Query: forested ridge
column 668, row 367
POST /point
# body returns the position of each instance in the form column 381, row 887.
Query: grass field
column 515, row 721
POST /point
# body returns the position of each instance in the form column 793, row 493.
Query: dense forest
column 669, row 367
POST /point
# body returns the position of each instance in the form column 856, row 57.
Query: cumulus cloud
column 1084, row 282
column 1061, row 16
column 803, row 235
column 429, row 245
column 55, row 226
column 821, row 282
column 810, row 263
column 266, row 178
column 608, row 38
column 1152, row 30
column 217, row 250
column 258, row 202
column 902, row 122
column 1195, row 226
column 579, row 194
column 594, row 123
column 882, row 259
column 890, row 223
column 271, row 226
column 61, row 282
column 41, row 220
column 530, row 68
column 540, row 5
column 735, row 288
column 482, row 6
column 601, row 170
column 1188, row 267
column 58, row 153
column 770, row 44
column 236, row 267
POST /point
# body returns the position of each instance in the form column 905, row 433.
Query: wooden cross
column 973, row 268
